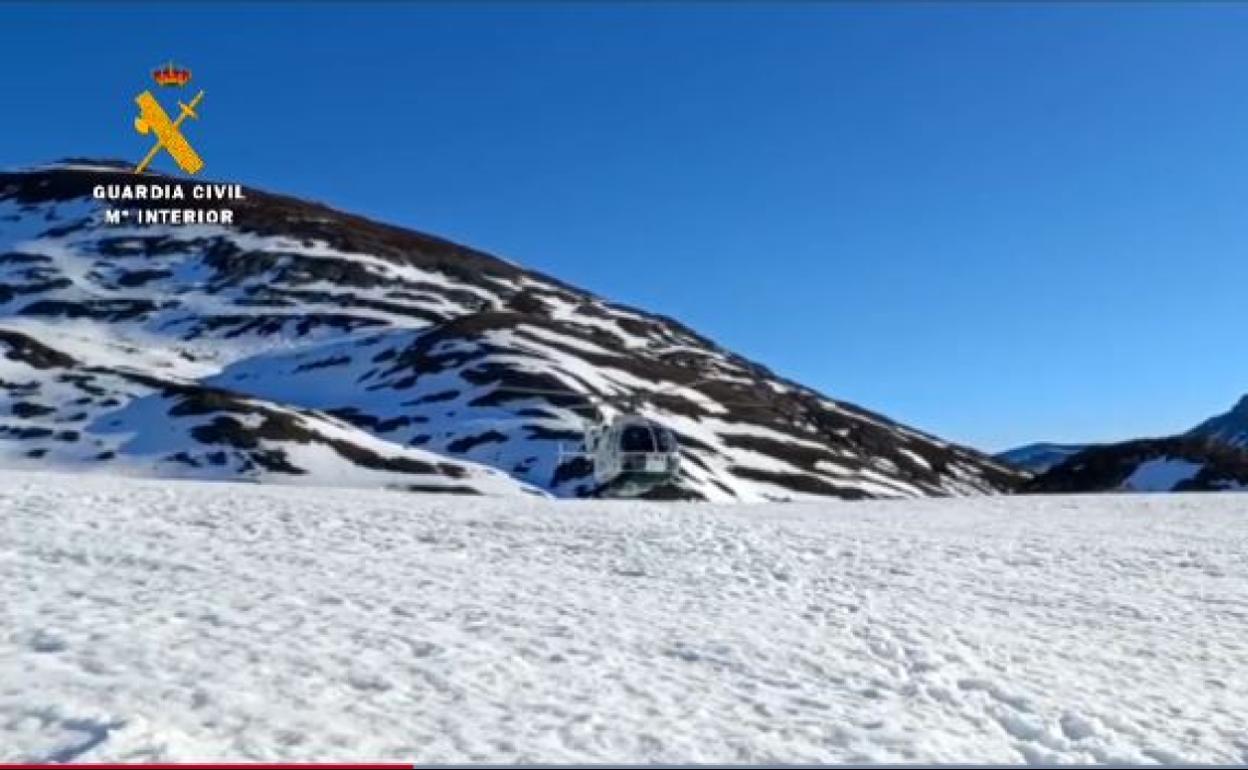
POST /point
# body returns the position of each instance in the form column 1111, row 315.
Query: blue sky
column 1000, row 223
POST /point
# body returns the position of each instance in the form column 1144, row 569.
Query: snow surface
column 158, row 620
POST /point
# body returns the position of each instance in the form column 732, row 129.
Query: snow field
column 156, row 620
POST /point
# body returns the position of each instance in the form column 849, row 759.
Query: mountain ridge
column 1173, row 464
column 1230, row 427
column 1039, row 456
column 1212, row 456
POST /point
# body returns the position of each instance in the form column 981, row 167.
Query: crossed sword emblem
column 153, row 119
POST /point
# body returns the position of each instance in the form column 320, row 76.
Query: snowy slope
column 410, row 341
column 1161, row 474
column 67, row 413
column 148, row 620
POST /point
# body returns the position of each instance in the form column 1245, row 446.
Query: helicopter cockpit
column 633, row 454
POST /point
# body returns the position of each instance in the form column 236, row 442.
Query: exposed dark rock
column 25, row 349
column 324, row 363
column 100, row 310
column 1106, row 467
column 25, row 409
column 468, row 443
column 134, row 278
column 798, row 482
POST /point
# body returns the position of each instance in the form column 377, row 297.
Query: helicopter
column 630, row 454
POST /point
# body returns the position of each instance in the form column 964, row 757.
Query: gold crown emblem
column 170, row 75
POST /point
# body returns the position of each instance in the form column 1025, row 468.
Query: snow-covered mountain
column 1230, row 428
column 1213, row 456
column 307, row 345
column 1177, row 464
column 1038, row 458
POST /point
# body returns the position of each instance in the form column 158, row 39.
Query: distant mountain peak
column 1228, row 428
column 1040, row 456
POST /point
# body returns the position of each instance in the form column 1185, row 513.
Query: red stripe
column 222, row 765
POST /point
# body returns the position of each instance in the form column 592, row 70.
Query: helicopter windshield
column 647, row 438
column 637, row 438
